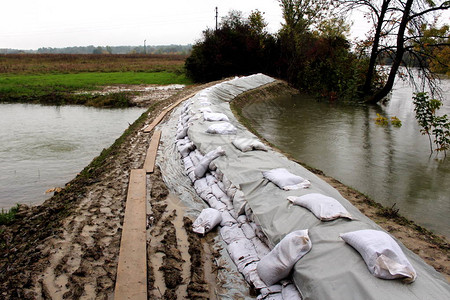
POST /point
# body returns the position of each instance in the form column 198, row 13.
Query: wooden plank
column 150, row 158
column 164, row 112
column 131, row 281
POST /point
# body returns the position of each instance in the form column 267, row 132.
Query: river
column 391, row 165
column 46, row 146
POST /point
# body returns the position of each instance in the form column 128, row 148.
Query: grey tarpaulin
column 332, row 269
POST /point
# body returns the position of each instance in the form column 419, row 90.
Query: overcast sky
column 30, row 24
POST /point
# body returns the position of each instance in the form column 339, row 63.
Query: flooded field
column 391, row 165
column 43, row 147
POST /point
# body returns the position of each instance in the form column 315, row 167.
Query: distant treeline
column 161, row 49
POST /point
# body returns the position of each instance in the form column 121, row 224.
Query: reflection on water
column 46, row 146
column 391, row 165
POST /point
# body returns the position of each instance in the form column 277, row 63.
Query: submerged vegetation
column 57, row 78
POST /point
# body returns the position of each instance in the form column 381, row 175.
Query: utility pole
column 217, row 14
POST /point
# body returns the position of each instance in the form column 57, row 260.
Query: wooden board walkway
column 150, row 158
column 131, row 282
column 161, row 116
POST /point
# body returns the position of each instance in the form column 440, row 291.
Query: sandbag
column 231, row 233
column 222, row 128
column 381, row 253
column 188, row 165
column 182, row 133
column 286, row 180
column 227, row 219
column 261, row 248
column 205, row 109
column 271, row 292
column 203, row 165
column 289, row 291
column 207, row 220
column 210, row 116
column 245, row 144
column 242, row 252
column 248, row 231
column 278, row 263
column 323, row 207
column 186, row 149
column 252, row 277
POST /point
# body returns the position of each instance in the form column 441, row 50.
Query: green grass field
column 24, row 85
column 53, row 79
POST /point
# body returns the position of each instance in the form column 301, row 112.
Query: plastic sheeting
column 332, row 269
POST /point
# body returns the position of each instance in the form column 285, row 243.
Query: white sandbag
column 278, row 263
column 381, row 253
column 248, row 231
column 210, row 179
column 214, row 202
column 195, row 157
column 222, row 128
column 242, row 252
column 203, row 165
column 212, row 166
column 323, row 207
column 186, row 149
column 242, row 219
column 218, row 174
column 217, row 191
column 227, row 219
column 231, row 233
column 271, row 292
column 261, row 248
column 207, row 220
column 183, row 141
column 191, row 176
column 245, row 144
column 205, row 109
column 188, row 165
column 182, row 133
column 290, row 291
column 202, row 188
column 252, row 277
column 185, row 119
column 286, row 180
column 210, row 116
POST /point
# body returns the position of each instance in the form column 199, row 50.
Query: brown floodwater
column 391, row 165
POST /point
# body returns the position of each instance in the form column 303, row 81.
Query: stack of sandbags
column 246, row 242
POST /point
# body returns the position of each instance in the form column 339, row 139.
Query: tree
column 237, row 47
column 399, row 29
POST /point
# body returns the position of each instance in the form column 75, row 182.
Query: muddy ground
column 68, row 247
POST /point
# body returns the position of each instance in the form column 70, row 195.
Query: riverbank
column 68, row 247
column 433, row 248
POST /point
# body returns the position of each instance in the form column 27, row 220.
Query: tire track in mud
column 176, row 255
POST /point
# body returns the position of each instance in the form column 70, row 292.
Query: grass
column 26, row 86
column 81, row 63
column 53, row 78
column 8, row 216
